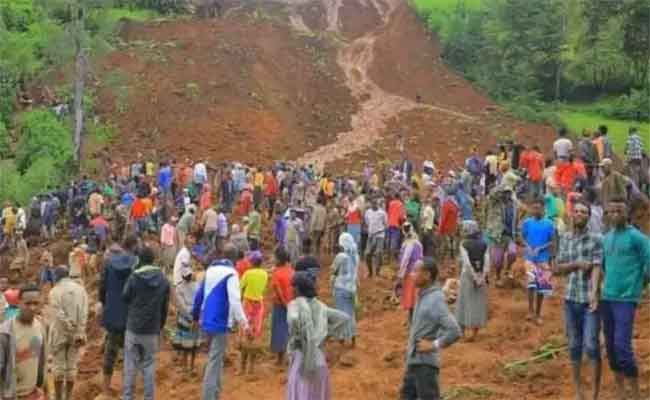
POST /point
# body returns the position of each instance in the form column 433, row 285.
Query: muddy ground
column 329, row 82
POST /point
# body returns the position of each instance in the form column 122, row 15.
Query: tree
column 83, row 24
column 43, row 135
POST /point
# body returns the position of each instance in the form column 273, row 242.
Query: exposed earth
column 328, row 82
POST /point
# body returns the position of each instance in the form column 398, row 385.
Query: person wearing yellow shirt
column 253, row 286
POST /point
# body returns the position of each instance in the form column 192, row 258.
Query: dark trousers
column 420, row 383
column 112, row 346
column 618, row 326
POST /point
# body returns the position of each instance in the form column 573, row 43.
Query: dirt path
column 377, row 105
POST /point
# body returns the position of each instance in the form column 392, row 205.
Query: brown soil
column 241, row 87
column 247, row 87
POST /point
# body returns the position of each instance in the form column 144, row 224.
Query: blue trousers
column 582, row 330
column 618, row 326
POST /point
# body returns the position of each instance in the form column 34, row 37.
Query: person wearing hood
column 146, row 295
column 345, row 279
column 432, row 329
column 69, row 302
column 120, row 262
column 217, row 305
column 310, row 323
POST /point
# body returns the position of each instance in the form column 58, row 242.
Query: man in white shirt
column 377, row 222
column 427, row 224
column 563, row 146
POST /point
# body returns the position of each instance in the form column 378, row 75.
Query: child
column 253, row 286
column 538, row 233
column 186, row 339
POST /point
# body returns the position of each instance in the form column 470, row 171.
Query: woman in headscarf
column 410, row 253
column 344, row 281
column 310, row 323
column 472, row 306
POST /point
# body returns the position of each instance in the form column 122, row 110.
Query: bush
column 17, row 15
column 5, row 149
column 42, row 176
column 43, row 135
column 635, row 106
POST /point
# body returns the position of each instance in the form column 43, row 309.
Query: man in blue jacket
column 216, row 304
column 120, row 262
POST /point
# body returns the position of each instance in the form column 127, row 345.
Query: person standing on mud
column 579, row 257
column 24, row 350
column 146, row 294
column 217, row 300
column 626, row 264
column 538, row 234
column 432, row 329
column 69, row 302
column 121, row 261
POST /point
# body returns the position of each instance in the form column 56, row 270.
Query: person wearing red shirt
column 271, row 191
column 449, row 212
column 396, row 217
column 282, row 294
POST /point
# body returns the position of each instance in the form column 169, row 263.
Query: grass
column 467, row 393
column 116, row 14
column 576, row 120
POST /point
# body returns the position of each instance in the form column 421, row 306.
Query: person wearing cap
column 69, row 305
column 24, row 350
column 186, row 339
column 216, row 306
column 253, row 286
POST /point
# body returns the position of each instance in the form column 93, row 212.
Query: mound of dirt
column 243, row 87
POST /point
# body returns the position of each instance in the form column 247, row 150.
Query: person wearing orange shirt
column 396, row 216
column 270, row 191
column 139, row 214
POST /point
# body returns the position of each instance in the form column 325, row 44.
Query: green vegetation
column 43, row 135
column 577, row 118
column 526, row 52
column 39, row 36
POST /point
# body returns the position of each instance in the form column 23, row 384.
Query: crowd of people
column 213, row 242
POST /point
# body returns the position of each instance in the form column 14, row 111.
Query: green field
column 577, row 120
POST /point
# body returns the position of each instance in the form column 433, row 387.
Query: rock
column 348, row 360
